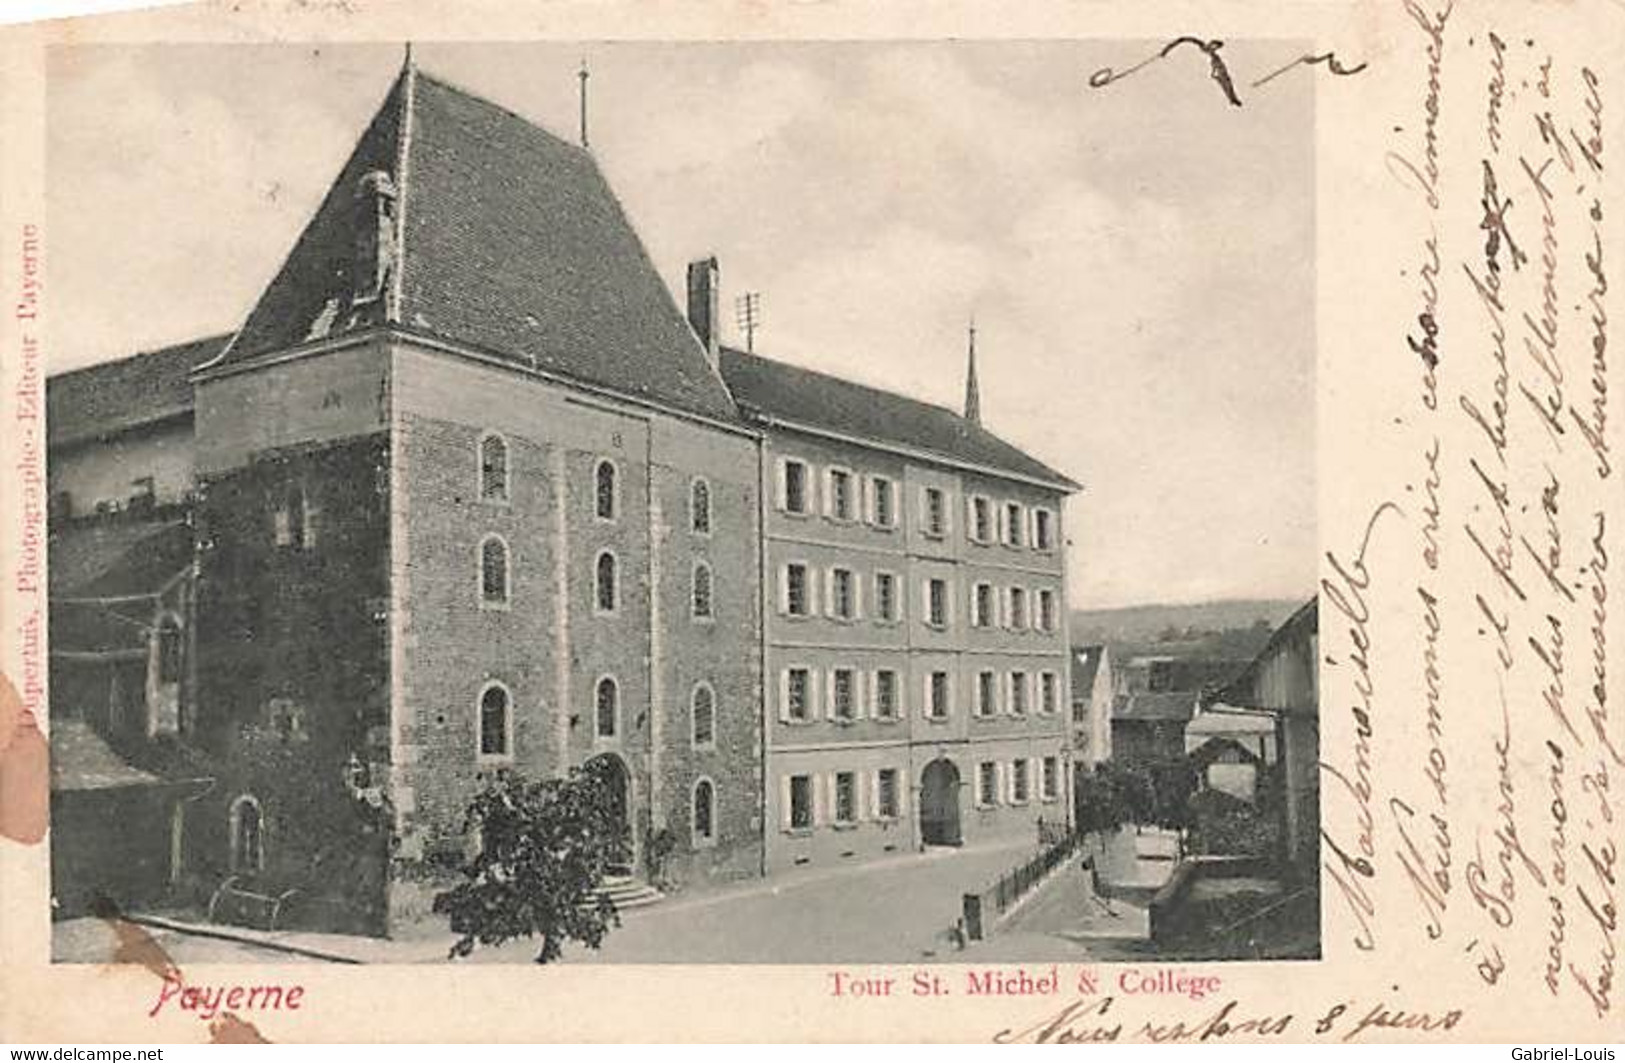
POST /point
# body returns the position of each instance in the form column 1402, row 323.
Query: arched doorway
column 617, row 781
column 939, row 804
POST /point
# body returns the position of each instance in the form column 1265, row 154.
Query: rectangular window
column 1014, row 518
column 843, row 694
column 886, row 793
column 982, row 610
column 801, row 802
column 1018, row 693
column 1051, row 780
column 937, row 696
column 846, row 797
column 1046, row 611
column 797, row 599
column 936, row 512
column 981, row 515
column 885, row 597
column 936, row 602
column 1018, row 609
column 884, row 511
column 795, row 486
column 840, row 494
column 798, row 694
column 1049, row 693
column 885, row 694
column 987, row 694
column 987, row 783
column 843, row 594
column 1043, row 529
column 1019, row 783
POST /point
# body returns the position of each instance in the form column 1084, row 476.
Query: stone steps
column 627, row 892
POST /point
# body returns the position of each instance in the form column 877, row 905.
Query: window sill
column 699, row 842
column 704, row 621
column 797, row 721
column 940, row 628
column 798, row 832
column 704, row 747
column 881, row 621
column 843, row 721
column 496, row 607
column 938, row 720
column 888, row 720
column 493, row 760
column 985, row 806
column 936, row 536
column 796, row 514
column 799, row 618
column 887, row 528
column 845, row 824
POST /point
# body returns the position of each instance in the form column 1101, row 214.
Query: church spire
column 973, row 392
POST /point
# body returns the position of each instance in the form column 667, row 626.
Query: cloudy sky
column 1139, row 259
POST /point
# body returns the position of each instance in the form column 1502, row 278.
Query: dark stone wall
column 293, row 675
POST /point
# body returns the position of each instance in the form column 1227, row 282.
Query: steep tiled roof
column 782, row 392
column 1158, row 706
column 102, row 399
column 1085, row 666
column 513, row 243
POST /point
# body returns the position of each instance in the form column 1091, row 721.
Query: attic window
column 374, row 236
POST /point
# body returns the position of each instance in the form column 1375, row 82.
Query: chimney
column 703, row 304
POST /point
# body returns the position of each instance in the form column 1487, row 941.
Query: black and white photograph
column 683, row 502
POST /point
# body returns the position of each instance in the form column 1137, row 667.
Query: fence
column 982, row 910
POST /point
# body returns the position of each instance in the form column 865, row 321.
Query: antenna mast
column 748, row 308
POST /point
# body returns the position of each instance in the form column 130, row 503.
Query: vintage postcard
column 1050, row 523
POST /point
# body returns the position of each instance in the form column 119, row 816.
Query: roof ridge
column 848, row 381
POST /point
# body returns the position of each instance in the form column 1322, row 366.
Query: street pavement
column 898, row 910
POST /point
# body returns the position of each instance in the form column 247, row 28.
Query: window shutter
column 784, row 589
column 829, row 592
column 925, row 695
column 830, row 802
column 902, row 793
column 828, row 481
column 872, row 693
column 1001, row 786
column 829, row 695
column 784, row 696
column 1004, row 523
column 782, row 492
column 1035, row 776
column 970, row 517
column 857, row 597
column 784, row 802
column 860, row 695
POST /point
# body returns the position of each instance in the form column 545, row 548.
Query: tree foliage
column 544, row 849
column 1152, row 793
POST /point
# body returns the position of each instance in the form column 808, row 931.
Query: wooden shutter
column 784, row 802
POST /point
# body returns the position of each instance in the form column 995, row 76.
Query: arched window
column 495, row 721
column 604, row 490
column 604, row 583
column 607, row 708
column 247, row 827
column 493, row 468
column 704, row 705
column 493, row 571
column 169, row 650
column 702, row 591
column 705, row 811
column 699, row 508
